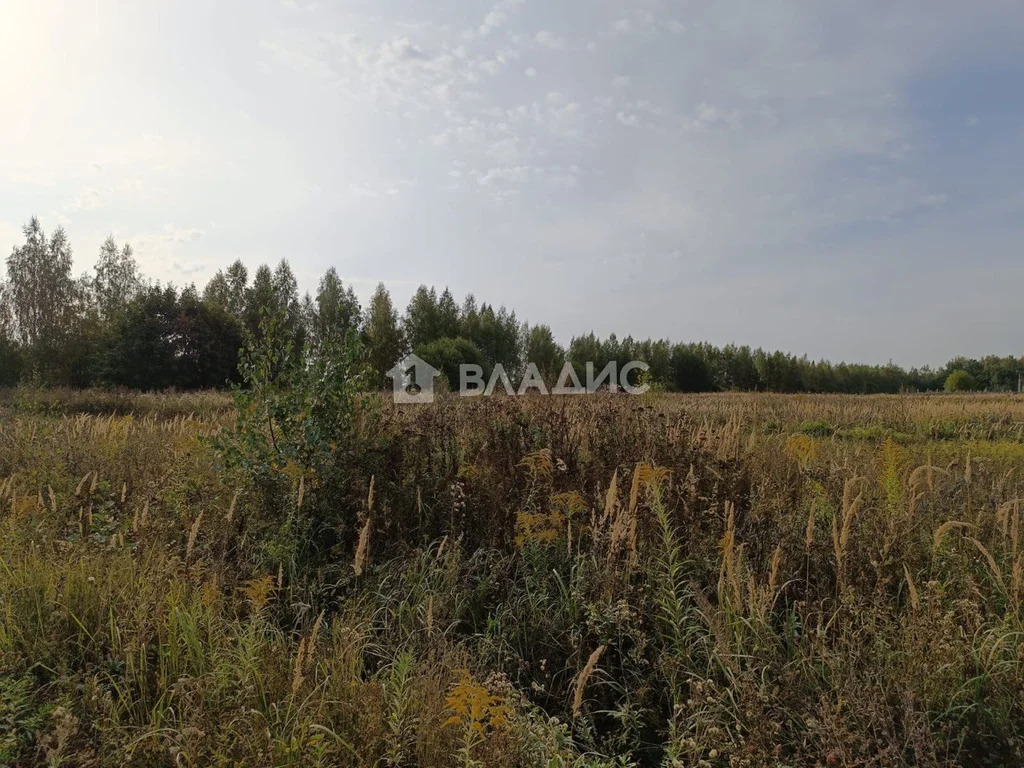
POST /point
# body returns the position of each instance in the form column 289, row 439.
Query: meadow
column 661, row 580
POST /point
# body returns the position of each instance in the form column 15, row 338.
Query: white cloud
column 627, row 119
column 375, row 190
column 399, row 49
column 174, row 234
column 498, row 16
column 492, row 21
column 706, row 116
column 550, row 40
column 519, row 174
column 89, row 199
column 168, row 254
column 562, row 178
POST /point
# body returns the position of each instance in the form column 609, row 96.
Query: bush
column 447, row 354
column 961, row 381
column 296, row 446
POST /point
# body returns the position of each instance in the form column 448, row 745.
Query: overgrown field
column 706, row 580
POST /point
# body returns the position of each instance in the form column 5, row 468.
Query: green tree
column 43, row 292
column 690, row 371
column 116, row 280
column 658, row 355
column 47, row 303
column 1001, row 373
column 227, row 289
column 383, row 335
column 447, row 318
column 447, row 354
column 541, row 349
column 164, row 340
column 497, row 334
column 469, row 318
column 738, row 371
column 260, row 299
column 777, row 371
column 587, row 349
column 207, row 344
column 336, row 310
column 141, row 351
column 961, row 381
column 420, row 324
column 276, row 292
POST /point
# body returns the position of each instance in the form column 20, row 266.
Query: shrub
column 447, row 354
column 20, row 718
column 296, row 446
column 961, row 381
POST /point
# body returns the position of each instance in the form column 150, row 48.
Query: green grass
column 778, row 594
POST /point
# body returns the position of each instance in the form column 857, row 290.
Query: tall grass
column 666, row 580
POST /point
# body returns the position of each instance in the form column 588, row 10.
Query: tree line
column 114, row 327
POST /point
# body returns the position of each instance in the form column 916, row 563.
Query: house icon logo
column 412, row 380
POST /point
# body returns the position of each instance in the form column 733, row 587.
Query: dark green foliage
column 20, row 718
column 447, row 317
column 447, row 354
column 10, row 363
column 383, row 336
column 421, row 324
column 336, row 311
column 961, row 381
column 1002, row 374
column 777, row 371
column 690, row 373
column 227, row 289
column 165, row 340
column 496, row 333
column 208, row 342
column 141, row 352
column 541, row 349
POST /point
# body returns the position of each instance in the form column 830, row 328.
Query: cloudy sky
column 842, row 179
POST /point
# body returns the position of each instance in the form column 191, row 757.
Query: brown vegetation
column 723, row 580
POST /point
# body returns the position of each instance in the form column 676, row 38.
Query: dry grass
column 786, row 580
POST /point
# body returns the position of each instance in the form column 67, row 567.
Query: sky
column 838, row 179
